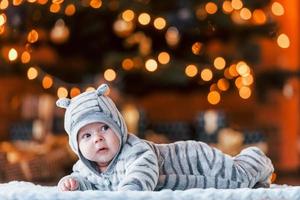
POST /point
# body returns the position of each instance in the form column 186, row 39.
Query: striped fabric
column 142, row 165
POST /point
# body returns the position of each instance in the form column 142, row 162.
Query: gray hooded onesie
column 143, row 165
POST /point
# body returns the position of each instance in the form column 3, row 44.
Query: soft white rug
column 30, row 191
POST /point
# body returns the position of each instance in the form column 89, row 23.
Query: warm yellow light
column 90, row 89
column 47, row 82
column 2, row 19
column 245, row 14
column 236, row 4
column 74, row 92
column 110, row 75
column 236, row 18
column 196, row 48
column 2, row 29
column 259, row 16
column 127, row 64
column 60, row 32
column 123, row 28
column 223, row 84
column 163, row 58
column 70, row 10
column 191, row 70
column 247, row 80
column 62, row 92
column 219, row 63
column 214, row 97
column 159, row 23
column 232, row 70
column 245, row 92
column 32, row 73
column 57, row 1
column 151, row 65
column 211, row 8
column 206, row 74
column 128, row 15
column 283, row 41
column 242, row 68
column 17, row 2
column 33, row 36
column 25, row 57
column 277, row 9
column 4, row 4
column 95, row 3
column 227, row 7
column 238, row 82
column 55, row 8
column 42, row 2
column 213, row 87
column 227, row 74
column 12, row 54
column 144, row 18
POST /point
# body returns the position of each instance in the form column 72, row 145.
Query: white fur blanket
column 30, row 191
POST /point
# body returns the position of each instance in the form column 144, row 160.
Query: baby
column 112, row 159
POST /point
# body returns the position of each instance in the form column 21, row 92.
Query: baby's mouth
column 102, row 149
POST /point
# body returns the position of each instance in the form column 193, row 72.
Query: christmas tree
column 140, row 45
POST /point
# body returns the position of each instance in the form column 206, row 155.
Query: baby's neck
column 102, row 168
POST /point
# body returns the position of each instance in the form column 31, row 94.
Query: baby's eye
column 86, row 135
column 104, row 128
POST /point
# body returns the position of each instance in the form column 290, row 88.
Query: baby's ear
column 63, row 102
column 103, row 89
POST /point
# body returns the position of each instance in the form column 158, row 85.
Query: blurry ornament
column 38, row 130
column 145, row 46
column 172, row 36
column 230, row 141
column 196, row 48
column 211, row 121
column 288, row 90
column 131, row 117
column 33, row 36
column 60, row 33
column 123, row 28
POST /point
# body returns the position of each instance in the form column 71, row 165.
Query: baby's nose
column 98, row 138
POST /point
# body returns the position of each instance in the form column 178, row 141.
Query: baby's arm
column 141, row 169
column 68, row 184
column 75, row 181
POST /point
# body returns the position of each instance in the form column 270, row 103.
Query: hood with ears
column 90, row 107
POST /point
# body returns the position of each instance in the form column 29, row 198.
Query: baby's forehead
column 92, row 126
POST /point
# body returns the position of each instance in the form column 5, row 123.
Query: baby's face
column 99, row 143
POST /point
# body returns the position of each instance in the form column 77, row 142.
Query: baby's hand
column 69, row 184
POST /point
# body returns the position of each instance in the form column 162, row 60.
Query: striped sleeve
column 141, row 169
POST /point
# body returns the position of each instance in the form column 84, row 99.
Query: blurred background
column 225, row 72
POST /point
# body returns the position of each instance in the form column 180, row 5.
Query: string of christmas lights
column 135, row 28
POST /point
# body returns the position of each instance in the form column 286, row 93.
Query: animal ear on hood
column 63, row 102
column 103, row 89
